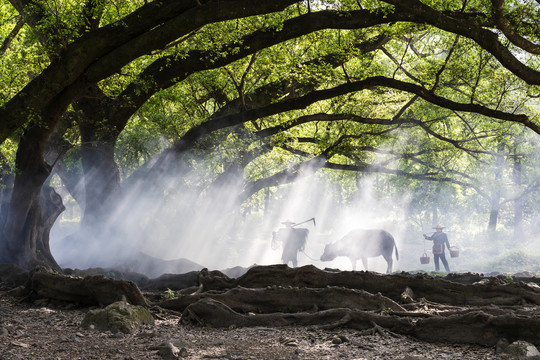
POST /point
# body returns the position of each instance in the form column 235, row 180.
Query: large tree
column 303, row 65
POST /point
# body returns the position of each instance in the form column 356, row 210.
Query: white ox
column 363, row 244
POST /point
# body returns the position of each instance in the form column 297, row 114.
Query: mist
column 176, row 218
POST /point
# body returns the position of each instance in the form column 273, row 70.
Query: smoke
column 175, row 217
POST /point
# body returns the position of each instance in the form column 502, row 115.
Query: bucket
column 454, row 251
column 424, row 259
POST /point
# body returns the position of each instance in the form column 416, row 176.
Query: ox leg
column 389, row 269
column 364, row 262
column 389, row 261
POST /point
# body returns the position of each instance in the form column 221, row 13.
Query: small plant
column 438, row 274
column 508, row 279
column 169, row 294
column 387, row 311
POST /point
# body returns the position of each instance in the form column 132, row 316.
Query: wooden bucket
column 424, row 259
column 454, row 251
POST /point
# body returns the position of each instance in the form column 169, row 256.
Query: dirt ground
column 45, row 331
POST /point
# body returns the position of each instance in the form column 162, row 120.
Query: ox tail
column 395, row 247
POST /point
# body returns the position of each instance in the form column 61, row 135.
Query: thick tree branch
column 506, row 27
column 170, row 70
column 102, row 52
column 471, row 29
column 43, row 23
column 13, row 33
column 302, row 102
column 286, row 176
column 290, row 175
column 193, row 18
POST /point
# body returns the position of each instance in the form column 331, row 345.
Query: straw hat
column 288, row 222
column 438, row 227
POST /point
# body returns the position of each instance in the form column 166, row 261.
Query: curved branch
column 507, row 29
column 191, row 19
column 169, row 70
column 433, row 175
column 283, row 177
column 13, row 33
column 197, row 132
column 102, row 52
column 471, row 29
column 43, row 23
column 290, row 175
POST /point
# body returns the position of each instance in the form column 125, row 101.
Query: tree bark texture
column 32, row 208
column 288, row 299
column 91, row 290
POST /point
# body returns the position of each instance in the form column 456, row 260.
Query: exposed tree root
column 280, row 299
column 474, row 327
column 92, row 290
column 432, row 310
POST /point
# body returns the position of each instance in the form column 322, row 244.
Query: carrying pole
column 303, row 222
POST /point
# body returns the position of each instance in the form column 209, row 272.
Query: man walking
column 439, row 239
column 293, row 240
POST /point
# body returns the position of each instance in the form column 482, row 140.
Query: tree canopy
column 112, row 96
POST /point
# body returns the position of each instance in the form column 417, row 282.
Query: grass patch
column 514, row 261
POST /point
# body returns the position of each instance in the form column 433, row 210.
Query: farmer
column 293, row 239
column 439, row 239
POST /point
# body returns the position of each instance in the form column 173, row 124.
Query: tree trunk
column 101, row 175
column 51, row 208
column 518, row 203
column 6, row 188
column 57, row 147
column 101, row 179
column 496, row 196
column 493, row 216
column 72, row 179
column 25, row 234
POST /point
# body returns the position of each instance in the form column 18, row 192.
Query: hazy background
column 204, row 226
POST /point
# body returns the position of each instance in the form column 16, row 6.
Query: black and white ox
column 363, row 244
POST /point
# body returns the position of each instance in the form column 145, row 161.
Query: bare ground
column 48, row 331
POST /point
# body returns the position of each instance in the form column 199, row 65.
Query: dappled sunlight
column 207, row 228
column 189, row 143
